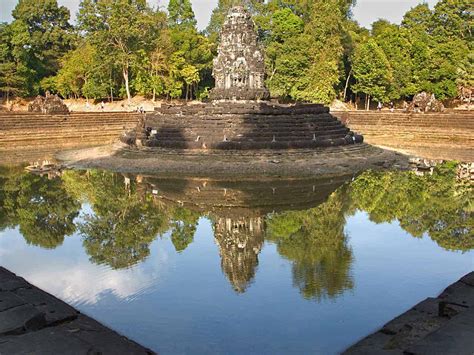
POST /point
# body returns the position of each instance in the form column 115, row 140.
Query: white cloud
column 85, row 283
column 67, row 273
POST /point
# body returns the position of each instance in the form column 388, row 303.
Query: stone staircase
column 432, row 135
column 245, row 127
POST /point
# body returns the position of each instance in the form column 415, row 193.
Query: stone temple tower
column 239, row 68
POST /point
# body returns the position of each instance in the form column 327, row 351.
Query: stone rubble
column 49, row 104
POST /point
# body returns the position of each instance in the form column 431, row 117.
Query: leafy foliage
column 314, row 51
column 372, row 71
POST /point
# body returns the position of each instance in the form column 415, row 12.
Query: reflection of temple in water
column 238, row 211
column 240, row 241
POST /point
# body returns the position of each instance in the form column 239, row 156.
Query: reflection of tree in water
column 124, row 223
column 240, row 241
column 41, row 207
column 438, row 205
column 7, row 220
column 125, row 220
column 183, row 226
column 315, row 242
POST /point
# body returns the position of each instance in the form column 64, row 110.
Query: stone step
column 246, row 145
column 15, row 125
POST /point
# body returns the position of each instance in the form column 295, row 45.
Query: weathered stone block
column 9, row 300
column 55, row 311
column 19, row 319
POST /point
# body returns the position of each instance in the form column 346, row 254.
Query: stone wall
column 27, row 136
column 432, row 135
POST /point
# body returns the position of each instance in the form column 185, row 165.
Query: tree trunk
column 8, row 97
column 368, row 102
column 125, row 77
column 347, row 85
column 154, row 94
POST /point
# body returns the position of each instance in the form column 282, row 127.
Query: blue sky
column 366, row 11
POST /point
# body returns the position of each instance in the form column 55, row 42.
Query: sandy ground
column 82, row 105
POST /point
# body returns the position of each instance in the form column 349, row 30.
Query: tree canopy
column 314, row 50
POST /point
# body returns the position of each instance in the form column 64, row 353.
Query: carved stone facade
column 239, row 68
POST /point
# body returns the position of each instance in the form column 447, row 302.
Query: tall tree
column 286, row 53
column 83, row 73
column 41, row 35
column 395, row 43
column 372, row 72
column 180, row 13
column 192, row 56
column 12, row 72
column 119, row 29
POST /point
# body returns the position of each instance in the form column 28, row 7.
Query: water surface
column 206, row 266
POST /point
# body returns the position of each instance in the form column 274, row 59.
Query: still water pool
column 212, row 266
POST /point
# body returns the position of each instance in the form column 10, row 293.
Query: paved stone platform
column 442, row 325
column 35, row 322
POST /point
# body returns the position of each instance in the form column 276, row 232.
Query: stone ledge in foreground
column 442, row 325
column 33, row 321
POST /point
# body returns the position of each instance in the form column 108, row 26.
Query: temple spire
column 239, row 69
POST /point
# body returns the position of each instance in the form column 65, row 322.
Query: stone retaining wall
column 436, row 136
column 431, row 135
column 21, row 130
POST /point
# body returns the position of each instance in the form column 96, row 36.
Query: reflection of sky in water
column 183, row 303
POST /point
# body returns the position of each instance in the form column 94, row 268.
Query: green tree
column 180, row 13
column 41, row 35
column 12, row 73
column 152, row 71
column 286, row 53
column 451, row 29
column 326, row 28
column 82, row 74
column 304, row 47
column 416, row 25
column 191, row 60
column 120, row 29
column 372, row 72
column 394, row 41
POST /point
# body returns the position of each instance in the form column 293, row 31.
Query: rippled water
column 212, row 266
